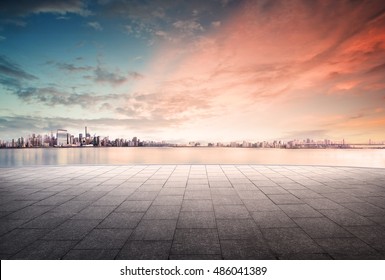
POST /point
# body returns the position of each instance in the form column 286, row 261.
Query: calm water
column 121, row 156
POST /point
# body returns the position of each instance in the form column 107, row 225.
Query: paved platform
column 192, row 212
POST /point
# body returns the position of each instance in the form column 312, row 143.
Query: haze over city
column 194, row 70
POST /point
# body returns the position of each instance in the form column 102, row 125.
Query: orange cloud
column 253, row 69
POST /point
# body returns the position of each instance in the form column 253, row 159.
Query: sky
column 179, row 71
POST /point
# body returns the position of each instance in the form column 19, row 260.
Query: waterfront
column 193, row 155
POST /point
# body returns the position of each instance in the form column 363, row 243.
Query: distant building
column 62, row 137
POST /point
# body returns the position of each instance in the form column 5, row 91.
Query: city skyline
column 194, row 70
column 65, row 138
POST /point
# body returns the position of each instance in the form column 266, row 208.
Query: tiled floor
column 192, row 212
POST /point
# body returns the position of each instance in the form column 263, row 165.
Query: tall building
column 62, row 139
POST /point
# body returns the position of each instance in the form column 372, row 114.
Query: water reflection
column 142, row 155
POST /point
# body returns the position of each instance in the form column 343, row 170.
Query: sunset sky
column 182, row 71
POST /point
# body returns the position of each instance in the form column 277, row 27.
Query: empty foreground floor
column 192, row 212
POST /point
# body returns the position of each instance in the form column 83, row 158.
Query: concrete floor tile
column 154, row 230
column 18, row 239
column 172, row 191
column 226, row 200
column 341, row 197
column 305, row 256
column 239, row 229
column 100, row 254
column 55, row 200
column 346, row 247
column 94, row 212
column 72, row 230
column 305, row 194
column 145, row 250
column 231, row 212
column 195, row 242
column 287, row 241
column 140, row 196
column 134, row 206
column 6, row 225
column 197, row 194
column 365, row 209
column 14, row 205
column 260, row 205
column 104, row 239
column 49, row 219
column 90, row 196
column 71, row 207
column 321, row 228
column 195, row 257
column 372, row 235
column 29, row 212
column 162, row 212
column 273, row 190
column 245, row 250
column 197, row 205
column 196, row 219
column 122, row 220
column 272, row 219
column 299, row 211
column 110, row 200
column 284, row 199
column 254, row 194
column 346, row 217
column 168, row 200
column 45, row 250
column 321, row 203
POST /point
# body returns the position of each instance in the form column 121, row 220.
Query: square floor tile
column 231, row 212
column 196, row 219
column 272, row 219
column 104, row 239
column 154, row 230
column 162, row 212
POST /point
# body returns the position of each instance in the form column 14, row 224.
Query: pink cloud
column 265, row 65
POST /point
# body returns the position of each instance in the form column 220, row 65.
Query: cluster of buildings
column 294, row 144
column 63, row 138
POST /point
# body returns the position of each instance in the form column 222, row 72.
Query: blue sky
column 194, row 70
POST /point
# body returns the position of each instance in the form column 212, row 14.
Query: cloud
column 270, row 62
column 95, row 25
column 2, row 38
column 168, row 105
column 103, row 75
column 153, row 20
column 216, row 23
column 11, row 69
column 12, row 8
column 72, row 68
column 188, row 25
column 52, row 96
column 377, row 68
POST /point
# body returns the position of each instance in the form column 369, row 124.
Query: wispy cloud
column 53, row 96
column 95, row 25
column 23, row 8
column 117, row 77
column 188, row 25
column 72, row 67
column 13, row 70
column 262, row 62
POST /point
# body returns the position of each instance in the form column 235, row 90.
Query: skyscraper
column 61, row 136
